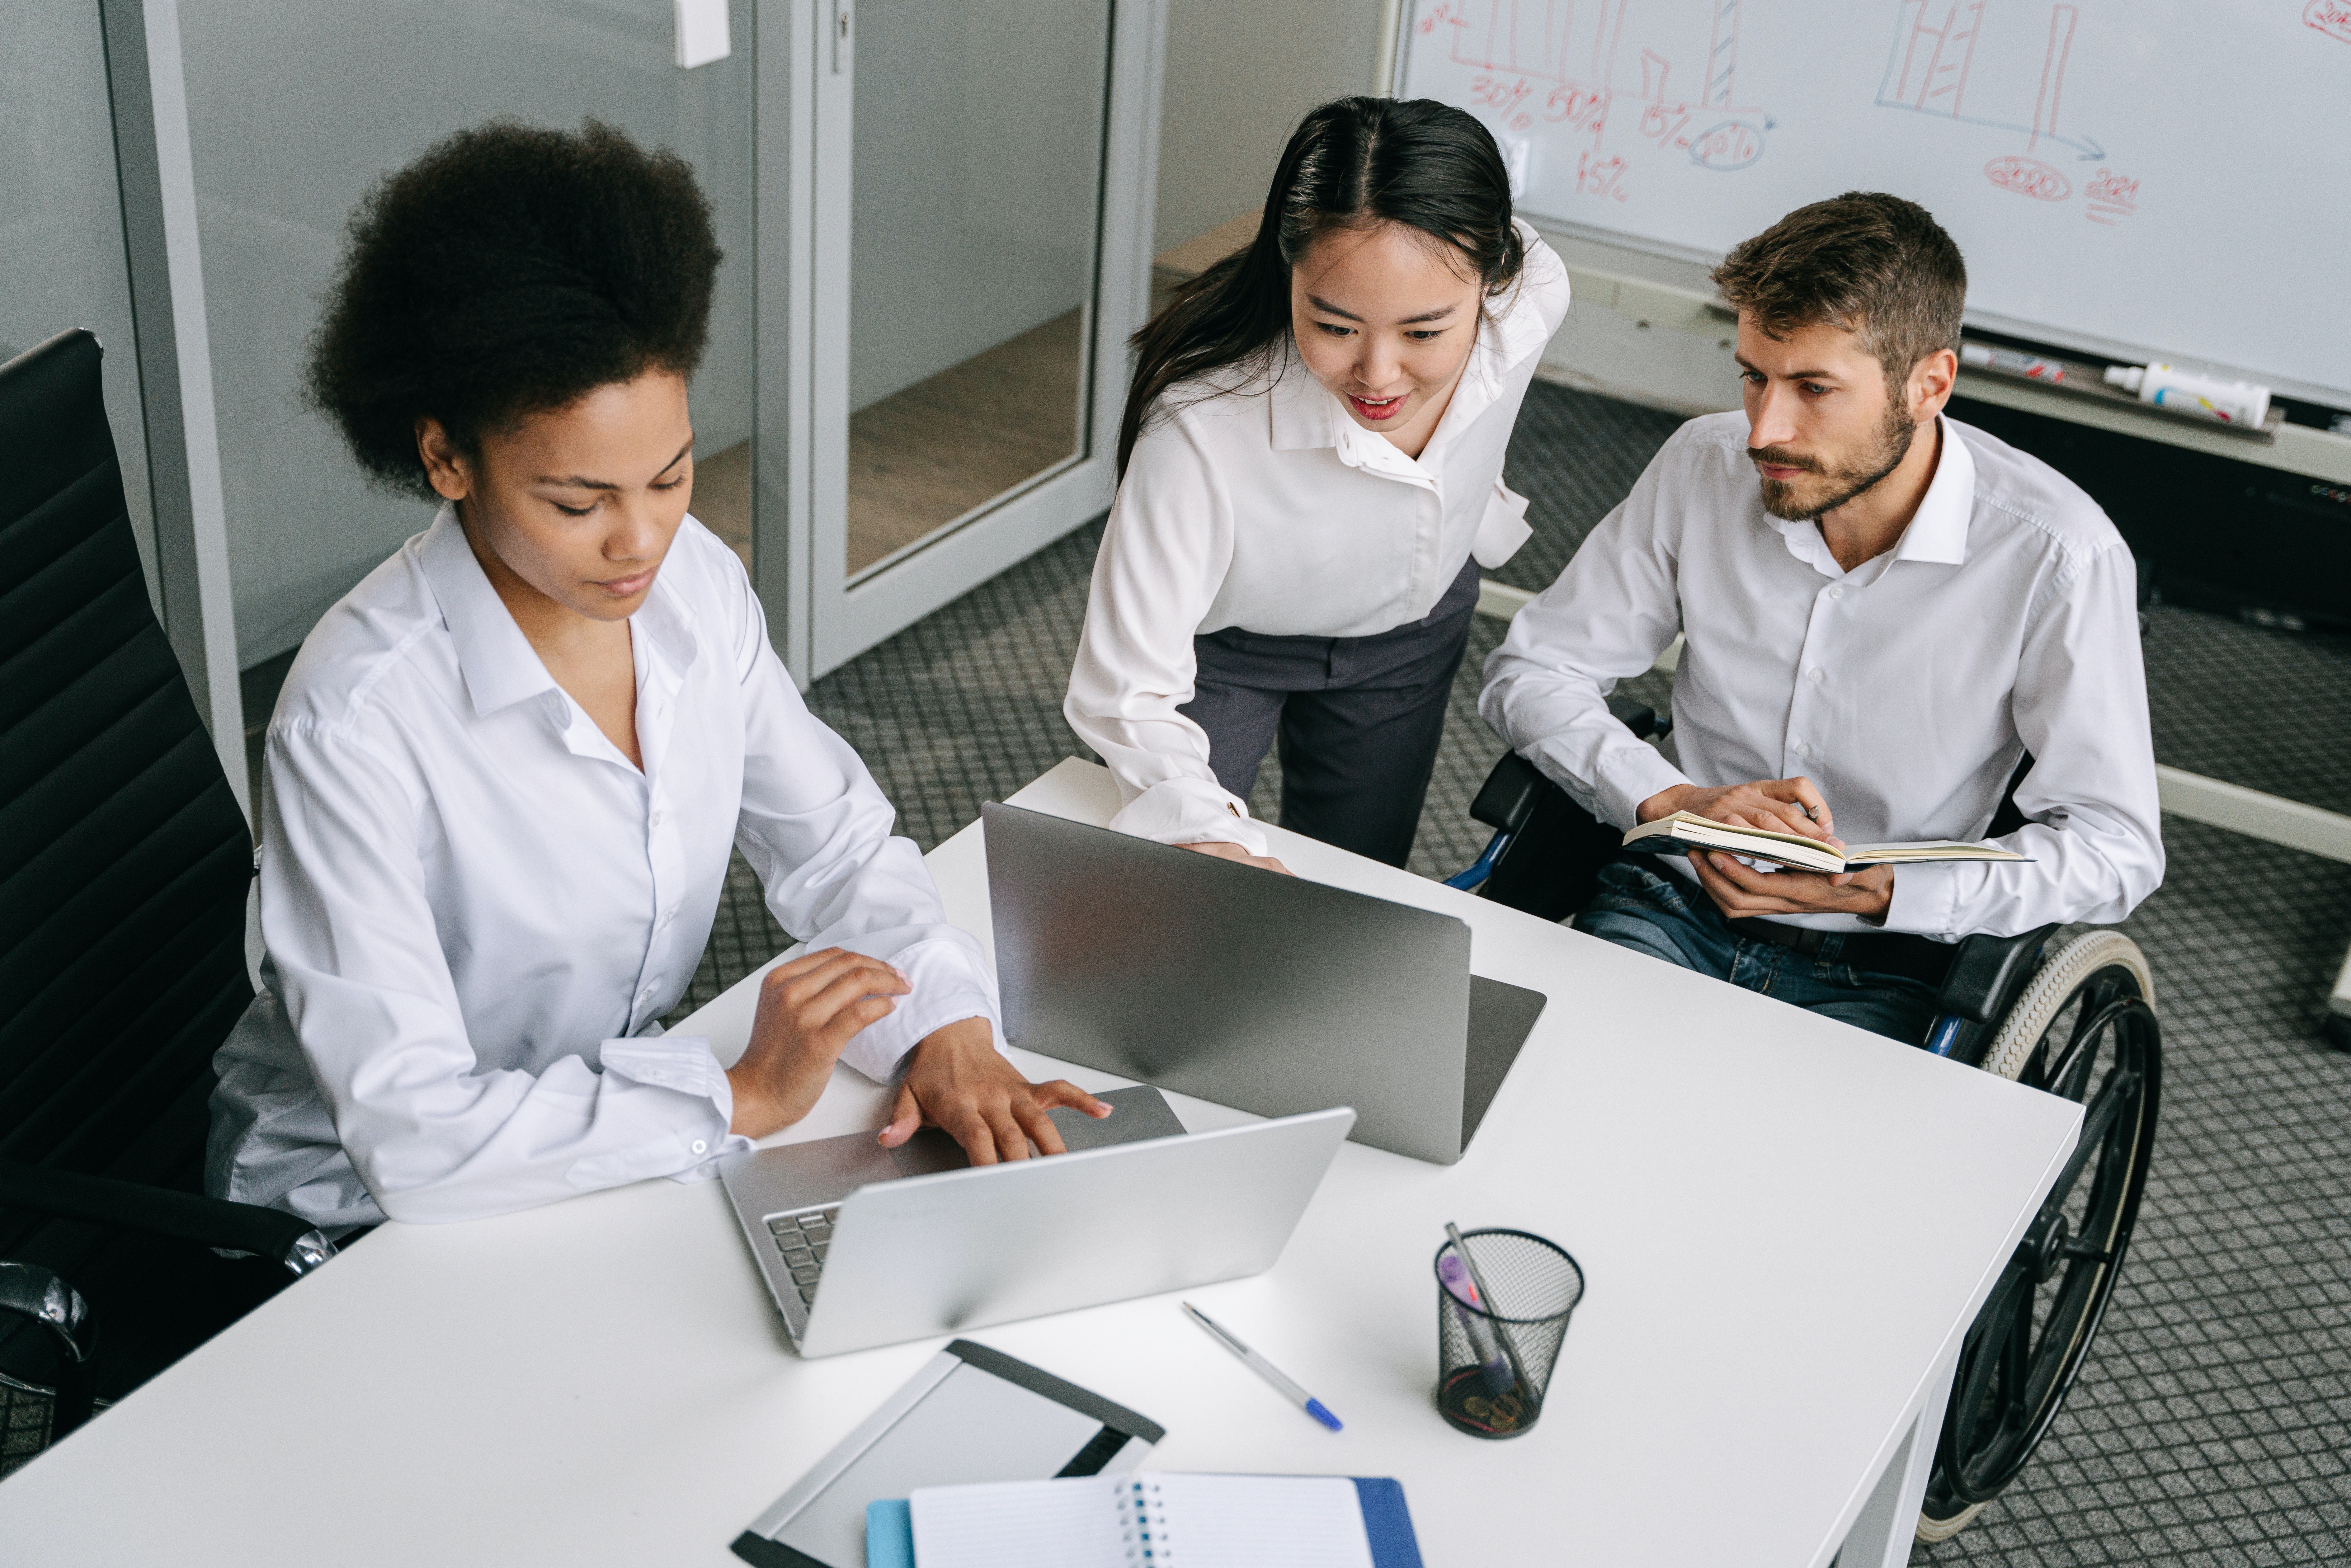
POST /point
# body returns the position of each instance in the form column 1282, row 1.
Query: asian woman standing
column 1310, row 476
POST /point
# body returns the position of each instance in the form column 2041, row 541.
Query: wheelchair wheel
column 2085, row 1028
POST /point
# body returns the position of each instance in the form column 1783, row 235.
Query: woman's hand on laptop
column 960, row 1082
column 809, row 1012
column 1225, row 852
column 1774, row 805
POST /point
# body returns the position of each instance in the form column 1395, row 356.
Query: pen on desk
column 1262, row 1368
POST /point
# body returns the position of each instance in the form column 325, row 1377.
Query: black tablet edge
column 1117, row 1417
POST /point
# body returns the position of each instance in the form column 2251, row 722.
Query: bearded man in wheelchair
column 1887, row 617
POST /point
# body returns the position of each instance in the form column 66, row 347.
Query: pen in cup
column 1262, row 1368
column 1484, row 1301
column 1483, row 1343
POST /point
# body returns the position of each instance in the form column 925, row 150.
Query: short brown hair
column 1877, row 265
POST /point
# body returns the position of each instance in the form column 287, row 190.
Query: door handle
column 843, row 11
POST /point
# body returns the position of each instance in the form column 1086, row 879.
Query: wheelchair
column 2074, row 1018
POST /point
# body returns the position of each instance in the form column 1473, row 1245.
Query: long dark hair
column 1351, row 162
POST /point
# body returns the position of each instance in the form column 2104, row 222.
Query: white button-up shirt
column 1267, row 507
column 2004, row 621
column 477, row 907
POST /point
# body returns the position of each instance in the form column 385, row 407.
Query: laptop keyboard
column 803, row 1238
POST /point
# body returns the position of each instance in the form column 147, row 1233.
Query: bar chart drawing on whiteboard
column 1938, row 67
column 1944, row 66
column 2066, row 144
column 1626, row 78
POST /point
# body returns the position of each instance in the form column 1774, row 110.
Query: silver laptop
column 1265, row 992
column 862, row 1245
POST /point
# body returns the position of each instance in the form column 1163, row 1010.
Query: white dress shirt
column 477, row 907
column 2005, row 620
column 1267, row 507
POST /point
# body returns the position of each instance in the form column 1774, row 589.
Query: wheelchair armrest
column 272, row 1233
column 1507, row 799
column 1638, row 717
column 1987, row 973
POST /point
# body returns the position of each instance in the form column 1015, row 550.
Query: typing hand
column 809, row 1010
column 959, row 1082
column 1225, row 852
column 1774, row 805
column 1739, row 890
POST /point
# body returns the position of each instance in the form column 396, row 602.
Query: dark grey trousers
column 1358, row 719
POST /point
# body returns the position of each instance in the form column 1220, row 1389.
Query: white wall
column 1240, row 74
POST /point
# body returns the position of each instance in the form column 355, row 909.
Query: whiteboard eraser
column 698, row 29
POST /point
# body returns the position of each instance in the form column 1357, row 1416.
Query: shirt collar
column 500, row 666
column 1938, row 528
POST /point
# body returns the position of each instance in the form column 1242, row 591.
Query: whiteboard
column 2147, row 179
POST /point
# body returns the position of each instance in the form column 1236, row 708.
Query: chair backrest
column 124, row 860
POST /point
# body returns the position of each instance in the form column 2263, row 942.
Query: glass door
column 979, row 259
column 61, row 211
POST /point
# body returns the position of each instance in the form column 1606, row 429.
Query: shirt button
column 1837, row 592
column 656, row 818
column 1815, row 676
column 700, row 1147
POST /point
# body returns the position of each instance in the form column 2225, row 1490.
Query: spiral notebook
column 1148, row 1520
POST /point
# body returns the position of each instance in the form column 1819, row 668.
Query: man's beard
column 1801, row 501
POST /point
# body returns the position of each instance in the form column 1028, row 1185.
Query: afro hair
column 508, row 271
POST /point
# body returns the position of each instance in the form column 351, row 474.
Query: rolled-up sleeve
column 2094, row 826
column 1165, row 553
column 357, row 963
column 1611, row 613
column 816, row 830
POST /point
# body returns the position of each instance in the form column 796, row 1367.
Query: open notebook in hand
column 1681, row 832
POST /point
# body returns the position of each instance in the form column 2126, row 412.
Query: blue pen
column 1262, row 1368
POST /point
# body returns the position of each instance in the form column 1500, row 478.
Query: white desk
column 1786, row 1225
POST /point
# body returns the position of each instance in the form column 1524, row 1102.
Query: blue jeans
column 1669, row 917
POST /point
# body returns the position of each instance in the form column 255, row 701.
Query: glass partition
column 975, row 196
column 294, row 112
column 61, row 258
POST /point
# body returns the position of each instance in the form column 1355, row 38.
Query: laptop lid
column 1241, row 986
column 789, row 1179
column 990, row 1244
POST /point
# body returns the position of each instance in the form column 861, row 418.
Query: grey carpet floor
column 2211, row 1424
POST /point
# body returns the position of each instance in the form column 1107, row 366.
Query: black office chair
column 124, row 866
column 2077, row 1021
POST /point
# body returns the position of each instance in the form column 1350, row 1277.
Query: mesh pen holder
column 1494, row 1358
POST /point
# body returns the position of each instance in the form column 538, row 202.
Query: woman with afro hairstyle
column 506, row 771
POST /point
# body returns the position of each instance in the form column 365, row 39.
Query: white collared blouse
column 1267, row 507
column 2004, row 621
column 476, row 908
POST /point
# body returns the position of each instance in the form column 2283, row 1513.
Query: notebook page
column 1259, row 1521
column 1019, row 1524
